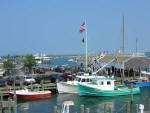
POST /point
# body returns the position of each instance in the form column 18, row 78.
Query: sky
column 52, row 26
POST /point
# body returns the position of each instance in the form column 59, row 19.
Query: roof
column 109, row 58
column 129, row 61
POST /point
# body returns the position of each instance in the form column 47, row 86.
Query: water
column 96, row 104
column 64, row 61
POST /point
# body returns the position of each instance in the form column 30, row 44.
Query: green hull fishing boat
column 104, row 87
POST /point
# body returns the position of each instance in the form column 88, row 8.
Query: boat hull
column 89, row 91
column 31, row 95
column 63, row 87
column 140, row 84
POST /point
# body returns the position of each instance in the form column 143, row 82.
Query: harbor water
column 96, row 104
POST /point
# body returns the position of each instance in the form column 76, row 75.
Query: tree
column 29, row 62
column 8, row 66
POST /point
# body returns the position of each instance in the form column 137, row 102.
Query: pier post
column 137, row 108
column 128, row 107
column 131, row 93
column 82, row 108
column 110, row 109
column 15, row 102
column 25, row 110
column 55, row 109
column 9, row 105
column 105, row 108
column 87, row 110
column 1, row 108
column 1, row 97
column 149, row 105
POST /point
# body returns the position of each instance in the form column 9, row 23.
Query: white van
column 28, row 80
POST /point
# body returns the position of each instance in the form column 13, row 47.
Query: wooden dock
column 49, row 86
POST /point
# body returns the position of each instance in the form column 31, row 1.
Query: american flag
column 82, row 28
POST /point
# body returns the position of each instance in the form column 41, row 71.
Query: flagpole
column 86, row 45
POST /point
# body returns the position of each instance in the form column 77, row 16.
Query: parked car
column 48, row 78
column 69, row 76
column 40, row 70
column 55, row 77
column 28, row 80
column 3, row 82
column 43, row 78
column 15, row 79
column 60, row 69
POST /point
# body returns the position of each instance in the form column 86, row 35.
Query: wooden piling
column 87, row 110
column 1, row 107
column 149, row 105
column 105, row 108
column 9, row 105
column 137, row 108
column 1, row 97
column 25, row 110
column 15, row 103
column 55, row 109
column 82, row 109
column 110, row 109
column 128, row 107
column 131, row 93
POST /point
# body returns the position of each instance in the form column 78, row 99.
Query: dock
column 49, row 86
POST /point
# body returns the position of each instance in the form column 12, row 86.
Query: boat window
column 79, row 79
column 88, row 80
column 83, row 80
column 108, row 83
column 101, row 83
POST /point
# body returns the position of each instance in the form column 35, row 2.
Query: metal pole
column 123, row 35
column 86, row 44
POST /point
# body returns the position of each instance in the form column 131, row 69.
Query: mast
column 86, row 46
column 123, row 34
column 136, row 46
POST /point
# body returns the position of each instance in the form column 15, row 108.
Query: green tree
column 8, row 66
column 29, row 62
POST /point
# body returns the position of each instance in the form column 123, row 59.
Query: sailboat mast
column 86, row 46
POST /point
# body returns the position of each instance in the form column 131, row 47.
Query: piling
column 9, row 105
column 149, row 105
column 128, row 107
column 87, row 110
column 82, row 108
column 131, row 93
column 137, row 108
column 15, row 102
column 25, row 110
column 110, row 109
column 105, row 108
column 1, row 107
column 55, row 109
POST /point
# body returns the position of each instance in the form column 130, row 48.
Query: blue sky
column 51, row 26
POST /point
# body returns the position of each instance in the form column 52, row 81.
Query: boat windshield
column 29, row 77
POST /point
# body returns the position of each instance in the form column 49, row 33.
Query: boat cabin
column 104, row 83
column 144, row 77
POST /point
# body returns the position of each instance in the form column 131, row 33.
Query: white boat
column 72, row 86
column 42, row 59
